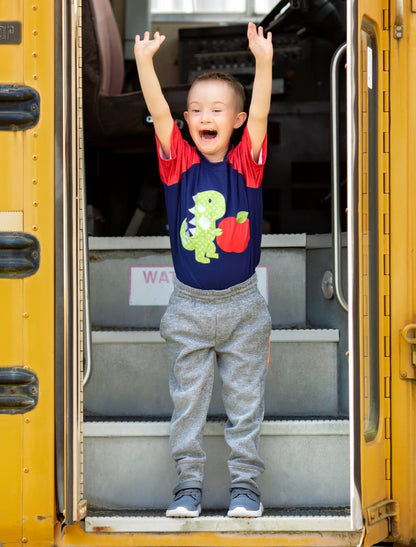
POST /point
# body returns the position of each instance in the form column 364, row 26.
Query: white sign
column 153, row 285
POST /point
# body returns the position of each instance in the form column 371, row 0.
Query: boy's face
column 212, row 117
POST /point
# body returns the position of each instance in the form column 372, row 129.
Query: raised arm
column 144, row 51
column 262, row 49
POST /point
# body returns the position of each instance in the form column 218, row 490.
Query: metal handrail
column 86, row 278
column 336, row 222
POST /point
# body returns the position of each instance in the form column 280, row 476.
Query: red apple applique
column 235, row 233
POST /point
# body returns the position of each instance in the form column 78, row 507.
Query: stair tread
column 336, row 519
column 219, row 418
column 343, row 511
column 130, row 427
column 152, row 335
column 163, row 242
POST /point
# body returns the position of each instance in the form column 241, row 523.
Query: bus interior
column 126, row 406
column 121, row 163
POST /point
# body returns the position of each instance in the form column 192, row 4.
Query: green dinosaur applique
column 199, row 233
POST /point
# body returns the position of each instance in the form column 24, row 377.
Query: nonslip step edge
column 162, row 242
column 153, row 336
column 272, row 524
column 269, row 427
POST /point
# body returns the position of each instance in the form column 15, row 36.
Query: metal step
column 130, row 375
column 127, row 464
column 131, row 280
column 273, row 521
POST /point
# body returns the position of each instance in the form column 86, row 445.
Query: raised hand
column 262, row 50
column 157, row 105
column 261, row 47
column 146, row 48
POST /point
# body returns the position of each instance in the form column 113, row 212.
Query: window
column 368, row 228
column 195, row 7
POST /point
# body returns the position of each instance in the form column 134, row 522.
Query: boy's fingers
column 159, row 37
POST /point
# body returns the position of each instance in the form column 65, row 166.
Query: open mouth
column 208, row 134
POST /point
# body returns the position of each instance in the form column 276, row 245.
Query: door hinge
column 386, row 509
column 19, row 390
column 20, row 107
column 19, row 255
column 82, row 510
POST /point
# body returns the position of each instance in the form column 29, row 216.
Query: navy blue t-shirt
column 215, row 213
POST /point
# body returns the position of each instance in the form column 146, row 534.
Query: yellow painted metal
column 375, row 445
column 403, row 267
column 11, row 298
column 11, row 478
column 27, row 504
column 27, row 318
column 75, row 536
column 11, row 150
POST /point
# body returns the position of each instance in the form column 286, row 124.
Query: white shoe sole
column 243, row 512
column 183, row 512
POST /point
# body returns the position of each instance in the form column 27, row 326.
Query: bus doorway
column 305, row 435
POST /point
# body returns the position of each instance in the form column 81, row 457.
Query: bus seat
column 120, row 148
column 110, row 48
column 110, row 116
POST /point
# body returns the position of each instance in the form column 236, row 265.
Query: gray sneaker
column 244, row 503
column 187, row 503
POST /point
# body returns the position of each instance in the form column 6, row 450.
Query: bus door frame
column 368, row 258
column 71, row 506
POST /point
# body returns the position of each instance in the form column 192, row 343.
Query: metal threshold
column 287, row 521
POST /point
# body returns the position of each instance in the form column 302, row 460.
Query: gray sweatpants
column 232, row 328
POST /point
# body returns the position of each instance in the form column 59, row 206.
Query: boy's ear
column 185, row 115
column 240, row 119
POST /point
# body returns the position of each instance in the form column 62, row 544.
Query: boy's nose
column 206, row 115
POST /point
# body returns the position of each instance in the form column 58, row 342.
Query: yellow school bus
column 85, row 273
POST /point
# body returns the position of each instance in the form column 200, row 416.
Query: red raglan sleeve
column 182, row 156
column 241, row 157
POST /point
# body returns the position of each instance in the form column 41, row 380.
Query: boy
column 216, row 313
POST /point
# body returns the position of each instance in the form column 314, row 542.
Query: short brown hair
column 237, row 87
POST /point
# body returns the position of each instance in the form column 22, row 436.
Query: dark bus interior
column 125, row 196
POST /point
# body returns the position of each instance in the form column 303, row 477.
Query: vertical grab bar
column 86, row 261
column 336, row 222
